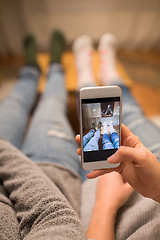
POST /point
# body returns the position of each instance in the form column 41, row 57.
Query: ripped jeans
column 92, row 145
column 134, row 118
column 50, row 137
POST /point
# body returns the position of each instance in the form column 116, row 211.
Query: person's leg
column 106, row 141
column 50, row 137
column 89, row 135
column 134, row 118
column 114, row 135
column 83, row 52
column 106, row 47
column 93, row 145
column 15, row 108
column 115, row 139
column 132, row 114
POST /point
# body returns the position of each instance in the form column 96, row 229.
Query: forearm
column 102, row 223
column 154, row 192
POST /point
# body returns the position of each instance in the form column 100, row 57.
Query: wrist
column 102, row 208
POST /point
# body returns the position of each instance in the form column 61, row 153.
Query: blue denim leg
column 115, row 139
column 92, row 145
column 136, row 121
column 106, row 141
column 88, row 136
column 50, row 137
column 14, row 110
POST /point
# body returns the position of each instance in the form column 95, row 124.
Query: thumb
column 126, row 154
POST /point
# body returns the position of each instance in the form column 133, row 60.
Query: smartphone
column 100, row 125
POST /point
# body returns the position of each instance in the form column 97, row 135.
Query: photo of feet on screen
column 100, row 126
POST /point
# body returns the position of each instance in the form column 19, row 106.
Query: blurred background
column 136, row 24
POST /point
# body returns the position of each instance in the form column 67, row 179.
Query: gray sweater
column 37, row 201
column 42, row 201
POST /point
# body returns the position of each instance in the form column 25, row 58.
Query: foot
column 111, row 127
column 83, row 51
column 57, row 46
column 93, row 125
column 30, row 50
column 99, row 125
column 108, row 70
column 105, row 128
column 82, row 44
column 108, row 40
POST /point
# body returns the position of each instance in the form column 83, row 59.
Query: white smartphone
column 100, row 125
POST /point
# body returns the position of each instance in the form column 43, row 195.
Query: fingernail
column 112, row 159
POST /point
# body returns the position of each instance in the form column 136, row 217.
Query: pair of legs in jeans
column 92, row 144
column 110, row 140
column 50, row 137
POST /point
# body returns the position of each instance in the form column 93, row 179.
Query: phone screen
column 101, row 128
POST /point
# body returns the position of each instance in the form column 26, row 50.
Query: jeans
column 134, row 118
column 115, row 139
column 106, row 141
column 92, row 145
column 50, row 137
column 88, row 136
column 14, row 110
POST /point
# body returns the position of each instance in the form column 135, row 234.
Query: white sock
column 108, row 70
column 105, row 128
column 83, row 50
column 111, row 129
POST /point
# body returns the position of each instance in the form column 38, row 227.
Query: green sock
column 57, row 46
column 30, row 50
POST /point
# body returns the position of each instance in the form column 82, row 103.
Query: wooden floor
column 141, row 68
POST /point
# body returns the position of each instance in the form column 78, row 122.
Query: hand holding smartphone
column 100, row 125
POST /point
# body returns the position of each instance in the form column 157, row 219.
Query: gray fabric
column 31, row 205
column 138, row 219
column 35, row 203
column 87, row 201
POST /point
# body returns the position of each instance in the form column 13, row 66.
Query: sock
column 30, row 50
column 82, row 48
column 108, row 71
column 99, row 125
column 111, row 128
column 93, row 126
column 105, row 128
column 57, row 46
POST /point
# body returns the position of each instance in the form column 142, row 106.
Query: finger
column 125, row 132
column 79, row 151
column 126, row 154
column 97, row 173
column 128, row 138
column 77, row 138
